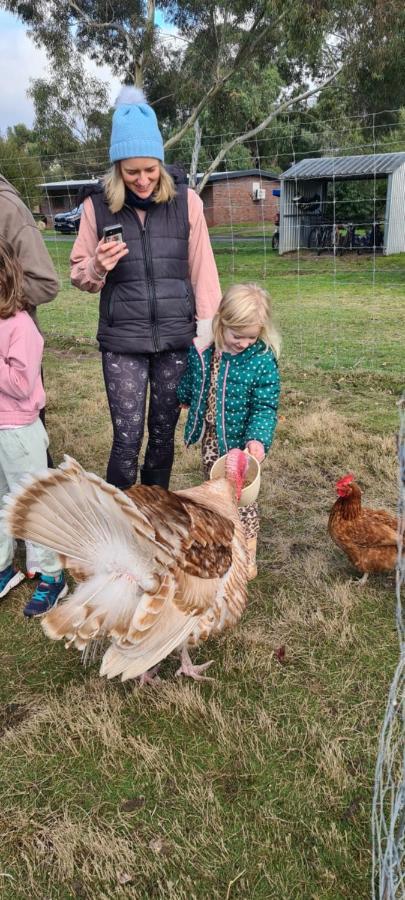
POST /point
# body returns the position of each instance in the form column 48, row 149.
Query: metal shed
column 309, row 179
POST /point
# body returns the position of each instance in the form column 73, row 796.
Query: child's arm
column 20, row 369
column 264, row 404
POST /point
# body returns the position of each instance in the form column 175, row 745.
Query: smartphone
column 112, row 233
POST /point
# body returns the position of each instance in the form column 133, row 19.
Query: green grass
column 347, row 313
column 243, row 229
column 259, row 784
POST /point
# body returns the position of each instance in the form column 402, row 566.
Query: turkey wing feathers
column 206, row 535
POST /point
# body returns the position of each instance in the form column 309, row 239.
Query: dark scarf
column 133, row 200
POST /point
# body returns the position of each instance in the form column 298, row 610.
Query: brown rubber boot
column 252, row 567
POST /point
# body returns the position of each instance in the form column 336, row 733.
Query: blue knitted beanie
column 135, row 131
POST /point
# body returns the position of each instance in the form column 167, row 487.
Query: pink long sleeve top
column 21, row 391
column 202, row 269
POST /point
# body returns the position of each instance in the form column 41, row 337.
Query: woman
column 155, row 283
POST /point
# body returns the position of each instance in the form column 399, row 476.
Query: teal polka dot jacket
column 248, row 392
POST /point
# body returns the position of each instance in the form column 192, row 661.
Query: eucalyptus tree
column 191, row 56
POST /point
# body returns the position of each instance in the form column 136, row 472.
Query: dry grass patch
column 257, row 785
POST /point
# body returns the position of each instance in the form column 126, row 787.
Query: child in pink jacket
column 23, row 439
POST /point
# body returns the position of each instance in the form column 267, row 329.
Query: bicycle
column 348, row 240
column 323, row 237
column 373, row 240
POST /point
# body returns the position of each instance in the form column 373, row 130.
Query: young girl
column 23, row 439
column 232, row 388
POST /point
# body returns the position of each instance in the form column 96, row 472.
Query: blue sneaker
column 9, row 578
column 46, row 595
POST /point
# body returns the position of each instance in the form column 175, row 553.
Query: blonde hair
column 11, row 282
column 114, row 187
column 243, row 306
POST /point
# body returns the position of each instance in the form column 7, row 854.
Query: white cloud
column 21, row 60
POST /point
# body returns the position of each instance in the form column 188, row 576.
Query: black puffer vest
column 147, row 303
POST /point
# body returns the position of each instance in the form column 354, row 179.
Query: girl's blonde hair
column 244, row 306
column 115, row 188
column 11, row 282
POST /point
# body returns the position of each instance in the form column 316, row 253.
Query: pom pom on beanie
column 135, row 131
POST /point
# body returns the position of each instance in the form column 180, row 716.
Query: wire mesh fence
column 388, row 816
column 354, row 291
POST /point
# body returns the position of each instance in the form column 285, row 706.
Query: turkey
column 157, row 570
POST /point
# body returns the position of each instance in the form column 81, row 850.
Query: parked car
column 68, row 222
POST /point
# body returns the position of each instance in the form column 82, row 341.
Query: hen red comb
column 347, row 479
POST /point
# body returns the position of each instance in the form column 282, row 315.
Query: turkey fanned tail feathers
column 155, row 569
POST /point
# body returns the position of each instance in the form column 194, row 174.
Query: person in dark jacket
column 158, row 286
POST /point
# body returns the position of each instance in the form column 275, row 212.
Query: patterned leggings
column 126, row 379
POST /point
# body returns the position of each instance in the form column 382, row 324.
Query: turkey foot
column 149, row 677
column 187, row 667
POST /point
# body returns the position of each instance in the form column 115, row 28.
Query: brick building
column 231, row 198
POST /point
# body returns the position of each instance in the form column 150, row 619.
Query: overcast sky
column 21, row 60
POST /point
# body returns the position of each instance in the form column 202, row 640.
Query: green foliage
column 359, row 202
column 21, row 170
column 25, row 139
column 239, row 59
column 70, row 118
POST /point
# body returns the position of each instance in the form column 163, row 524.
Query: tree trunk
column 195, row 154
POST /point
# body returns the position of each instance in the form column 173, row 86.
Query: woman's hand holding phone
column 107, row 254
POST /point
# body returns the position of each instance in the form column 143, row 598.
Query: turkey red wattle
column 236, row 467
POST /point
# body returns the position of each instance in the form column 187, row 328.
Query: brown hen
column 157, row 570
column 369, row 537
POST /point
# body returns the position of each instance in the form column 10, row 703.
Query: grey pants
column 23, row 452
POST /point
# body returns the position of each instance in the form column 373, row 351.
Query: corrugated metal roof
column 370, row 165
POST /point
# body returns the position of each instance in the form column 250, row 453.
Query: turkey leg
column 149, row 677
column 187, row 667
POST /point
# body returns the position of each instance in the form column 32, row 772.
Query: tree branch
column 242, row 138
column 248, row 47
column 98, row 25
column 195, row 154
